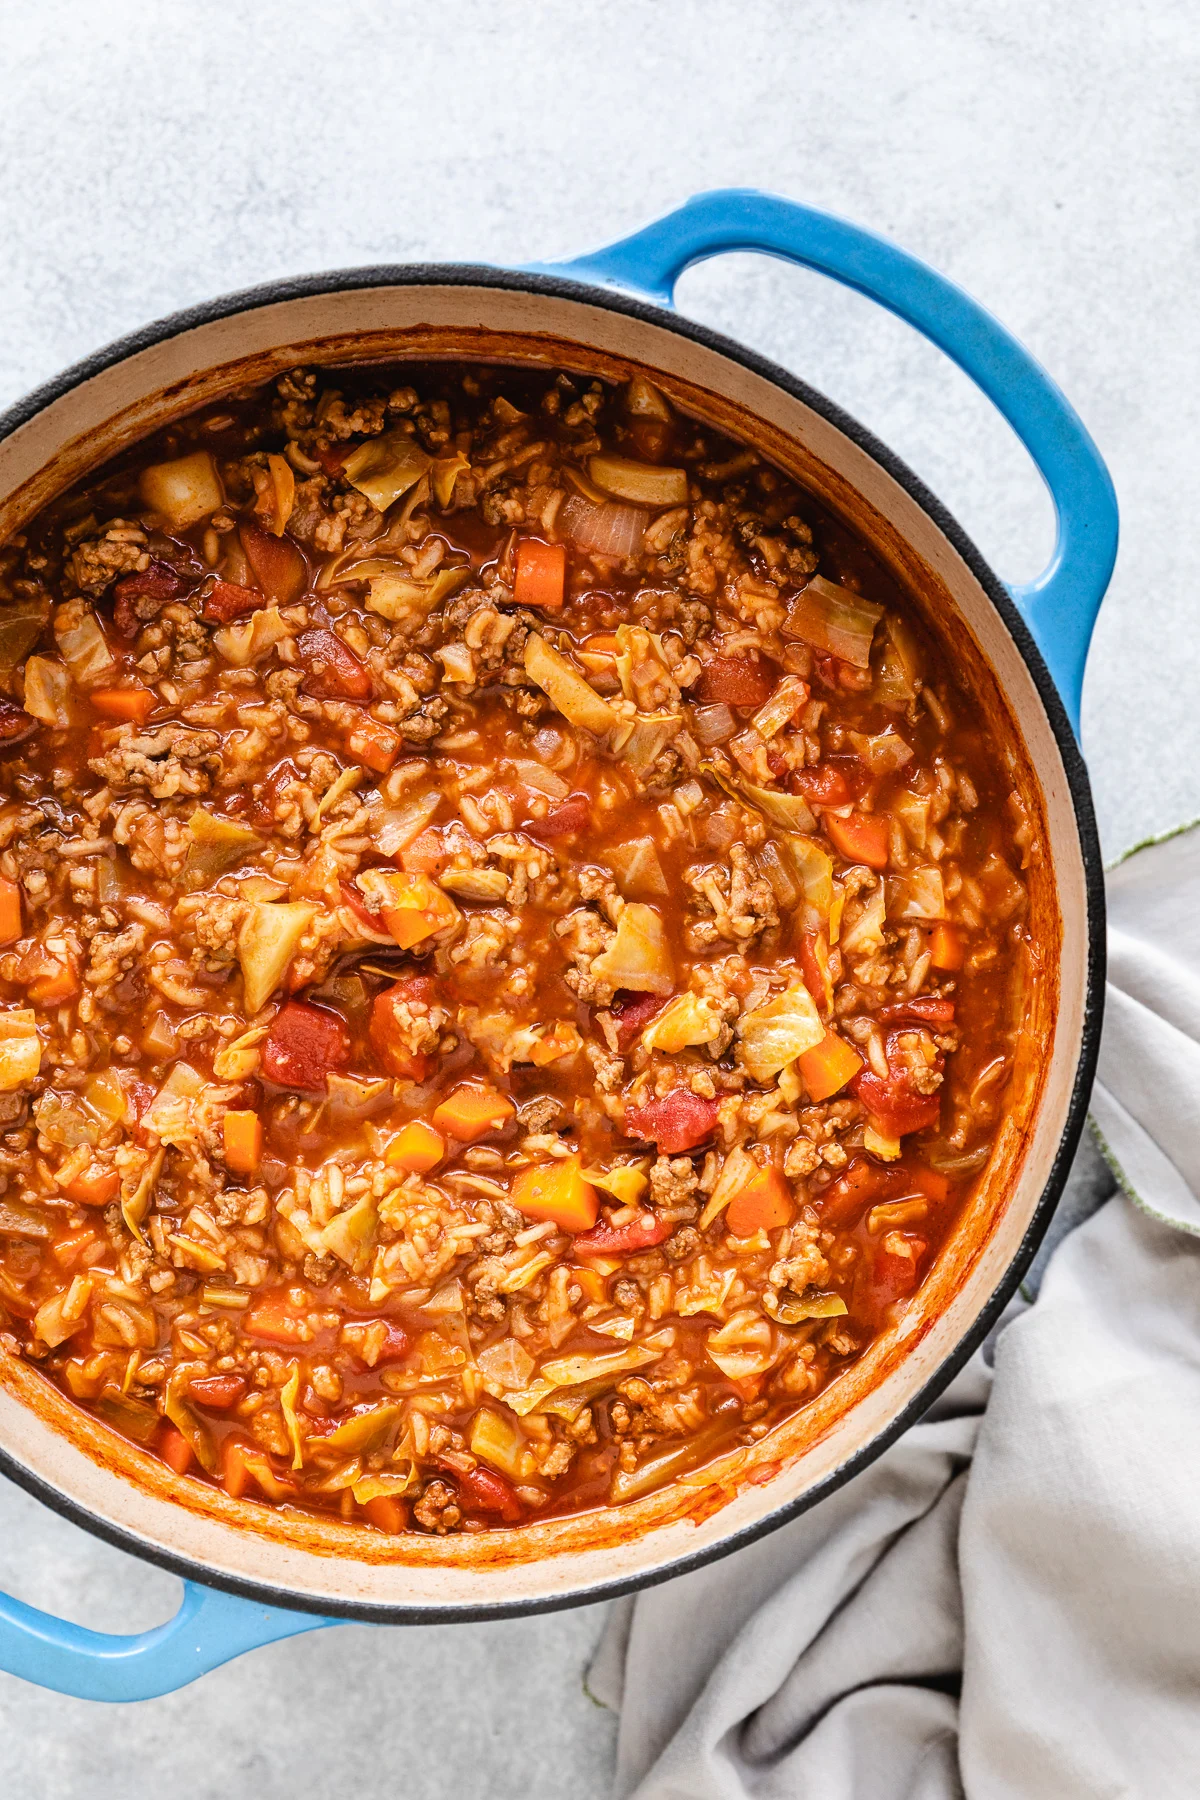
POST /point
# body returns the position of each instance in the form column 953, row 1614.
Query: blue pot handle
column 209, row 1629
column 1060, row 607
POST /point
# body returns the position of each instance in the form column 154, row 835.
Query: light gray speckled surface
column 1044, row 155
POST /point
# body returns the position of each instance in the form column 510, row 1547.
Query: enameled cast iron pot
column 255, row 1576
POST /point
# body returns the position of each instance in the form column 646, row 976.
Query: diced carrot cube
column 55, row 978
column 95, row 1186
column 762, row 1205
column 541, row 574
column 557, row 1191
column 274, row 1320
column 10, row 910
column 375, row 745
column 946, row 949
column 828, row 1066
column 175, row 1450
column 863, row 837
column 416, row 909
column 243, row 1136
column 471, row 1113
column 135, row 703
column 425, row 854
column 418, row 1148
column 592, row 1281
column 234, row 1472
column 69, row 1248
column 242, row 1463
column 386, row 1513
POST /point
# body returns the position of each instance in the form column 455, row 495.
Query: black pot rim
column 615, row 300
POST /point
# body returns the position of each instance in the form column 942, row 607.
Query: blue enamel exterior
column 1060, row 607
column 209, row 1628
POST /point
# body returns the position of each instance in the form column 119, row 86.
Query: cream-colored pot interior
column 70, row 1456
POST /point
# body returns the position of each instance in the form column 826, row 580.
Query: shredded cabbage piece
column 774, row 1035
column 385, row 467
column 639, row 956
column 833, row 619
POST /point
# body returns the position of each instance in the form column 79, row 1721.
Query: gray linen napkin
column 1007, row 1603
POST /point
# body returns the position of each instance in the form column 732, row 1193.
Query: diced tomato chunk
column 677, row 1122
column 276, row 561
column 482, row 1490
column 814, row 967
column 10, row 910
column 390, row 1027
column 334, row 672
column 894, row 1272
column 895, row 1104
column 138, row 597
column 228, row 600
column 425, row 854
column 376, row 1342
column 333, row 457
column 305, row 1045
column 574, row 814
column 927, row 1010
column 94, row 1186
column 737, row 681
column 632, row 1013
column 217, row 1391
column 15, row 723
column 823, row 785
column 641, row 1233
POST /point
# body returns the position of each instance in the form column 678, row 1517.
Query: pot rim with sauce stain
column 254, row 1575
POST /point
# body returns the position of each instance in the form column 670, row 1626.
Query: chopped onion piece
column 712, row 725
column 608, row 529
column 833, row 619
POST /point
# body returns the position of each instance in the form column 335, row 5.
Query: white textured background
column 1045, row 155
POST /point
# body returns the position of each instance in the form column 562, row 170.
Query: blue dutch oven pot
column 253, row 1577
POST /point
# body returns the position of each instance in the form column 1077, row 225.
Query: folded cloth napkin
column 1007, row 1603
